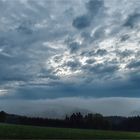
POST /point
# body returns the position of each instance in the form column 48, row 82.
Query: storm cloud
column 65, row 50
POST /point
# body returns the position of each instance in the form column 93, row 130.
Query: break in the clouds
column 51, row 50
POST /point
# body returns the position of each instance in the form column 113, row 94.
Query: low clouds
column 69, row 49
column 58, row 108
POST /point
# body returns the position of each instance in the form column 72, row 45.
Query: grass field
column 31, row 132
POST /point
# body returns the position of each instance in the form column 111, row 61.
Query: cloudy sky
column 61, row 56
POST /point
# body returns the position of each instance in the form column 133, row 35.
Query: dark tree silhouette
column 77, row 120
column 2, row 116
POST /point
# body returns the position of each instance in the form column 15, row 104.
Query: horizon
column 60, row 57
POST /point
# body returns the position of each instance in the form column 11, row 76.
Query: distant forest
column 77, row 120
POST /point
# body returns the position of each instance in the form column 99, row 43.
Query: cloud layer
column 69, row 49
column 58, row 108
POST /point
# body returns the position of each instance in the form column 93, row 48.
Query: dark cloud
column 12, row 68
column 47, row 73
column 101, row 52
column 25, row 28
column 132, row 20
column 74, row 46
column 134, row 64
column 83, row 21
column 98, row 52
column 125, row 37
column 90, row 61
column 88, row 53
column 54, row 90
column 93, row 6
column 125, row 53
column 103, row 69
column 73, row 65
column 134, row 79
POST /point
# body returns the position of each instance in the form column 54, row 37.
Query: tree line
column 77, row 120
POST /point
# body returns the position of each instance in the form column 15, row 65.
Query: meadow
column 8, row 131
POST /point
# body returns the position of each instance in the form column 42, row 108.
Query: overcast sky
column 61, row 56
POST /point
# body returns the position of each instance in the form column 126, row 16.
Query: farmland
column 8, row 131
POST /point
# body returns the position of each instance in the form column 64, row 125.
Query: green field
column 32, row 132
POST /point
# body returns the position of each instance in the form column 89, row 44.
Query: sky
column 63, row 56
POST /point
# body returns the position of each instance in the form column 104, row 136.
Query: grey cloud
column 83, row 21
column 103, row 68
column 90, row 61
column 25, row 28
column 23, row 42
column 87, row 36
column 125, row 53
column 93, row 6
column 88, row 53
column 99, row 33
column 101, row 52
column 47, row 73
column 125, row 37
column 57, row 59
column 134, row 64
column 73, row 64
column 94, row 52
column 74, row 46
column 110, row 87
column 135, row 79
column 105, row 71
column 12, row 69
column 132, row 20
